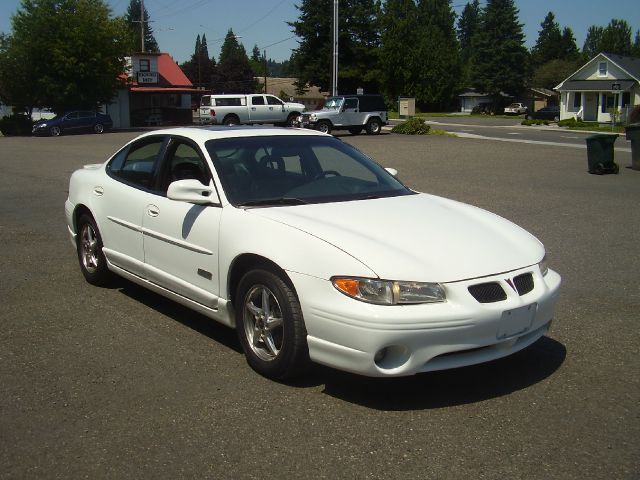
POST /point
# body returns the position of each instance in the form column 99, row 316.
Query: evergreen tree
column 569, row 48
column 549, row 44
column 234, row 73
column 200, row 69
column 133, row 19
column 635, row 50
column 592, row 42
column 257, row 62
column 436, row 62
column 358, row 39
column 616, row 38
column 499, row 59
column 467, row 27
column 399, row 31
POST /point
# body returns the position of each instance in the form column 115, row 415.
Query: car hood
column 416, row 237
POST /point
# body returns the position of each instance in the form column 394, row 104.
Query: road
column 121, row 383
column 511, row 130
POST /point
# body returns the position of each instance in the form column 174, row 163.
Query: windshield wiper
column 273, row 201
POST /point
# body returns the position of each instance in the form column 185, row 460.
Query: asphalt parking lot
column 121, row 383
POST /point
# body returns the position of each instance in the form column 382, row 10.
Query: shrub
column 16, row 124
column 571, row 122
column 413, row 126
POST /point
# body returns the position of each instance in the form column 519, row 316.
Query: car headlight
column 41, row 125
column 544, row 268
column 388, row 292
column 312, row 117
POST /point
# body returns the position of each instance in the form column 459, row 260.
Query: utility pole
column 334, row 80
column 265, row 70
column 142, row 24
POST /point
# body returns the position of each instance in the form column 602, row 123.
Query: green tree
column 569, row 49
column 436, row 62
column 550, row 74
column 468, row 24
column 200, row 69
column 358, row 39
column 399, row 30
column 616, row 38
column 499, row 59
column 234, row 73
column 592, row 42
column 62, row 54
column 133, row 20
column 635, row 50
column 549, row 44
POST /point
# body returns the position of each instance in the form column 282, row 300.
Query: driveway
column 121, row 383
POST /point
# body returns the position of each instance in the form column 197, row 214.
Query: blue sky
column 176, row 23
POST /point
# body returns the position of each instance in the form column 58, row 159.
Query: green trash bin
column 633, row 135
column 600, row 154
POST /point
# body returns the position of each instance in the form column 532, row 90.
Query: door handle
column 253, row 109
column 153, row 211
column 99, row 191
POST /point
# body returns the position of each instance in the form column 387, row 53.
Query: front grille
column 305, row 117
column 488, row 292
column 523, row 283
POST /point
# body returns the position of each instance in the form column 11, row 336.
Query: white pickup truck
column 248, row 109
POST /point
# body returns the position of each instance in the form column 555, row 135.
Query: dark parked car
column 72, row 122
column 545, row 113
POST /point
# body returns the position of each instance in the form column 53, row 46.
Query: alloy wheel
column 263, row 322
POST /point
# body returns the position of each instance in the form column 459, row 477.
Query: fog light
column 391, row 357
column 380, row 354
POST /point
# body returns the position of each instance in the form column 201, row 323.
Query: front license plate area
column 516, row 321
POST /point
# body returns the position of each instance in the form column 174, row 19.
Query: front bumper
column 402, row 340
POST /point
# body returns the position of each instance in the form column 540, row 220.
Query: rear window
column 372, row 103
column 228, row 102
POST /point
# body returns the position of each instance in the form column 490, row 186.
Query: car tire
column 374, row 126
column 270, row 325
column 55, row 131
column 231, row 120
column 324, row 127
column 98, row 128
column 93, row 263
column 556, row 118
column 291, row 119
column 355, row 130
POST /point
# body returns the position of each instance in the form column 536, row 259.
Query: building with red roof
column 157, row 93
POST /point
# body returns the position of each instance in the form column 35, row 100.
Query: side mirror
column 392, row 171
column 192, row 191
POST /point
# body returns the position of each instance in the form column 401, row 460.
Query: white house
column 605, row 84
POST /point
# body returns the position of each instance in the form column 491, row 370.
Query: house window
column 609, row 101
column 144, row 65
column 626, row 99
column 602, row 69
column 577, row 100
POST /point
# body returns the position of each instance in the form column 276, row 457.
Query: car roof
column 203, row 134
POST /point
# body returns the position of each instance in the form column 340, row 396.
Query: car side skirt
column 223, row 314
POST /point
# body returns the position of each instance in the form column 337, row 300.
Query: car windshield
column 333, row 103
column 514, row 105
column 293, row 170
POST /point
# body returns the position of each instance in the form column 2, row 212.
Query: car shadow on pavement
column 448, row 387
column 431, row 390
column 187, row 317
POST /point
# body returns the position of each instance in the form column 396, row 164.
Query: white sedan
column 311, row 250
